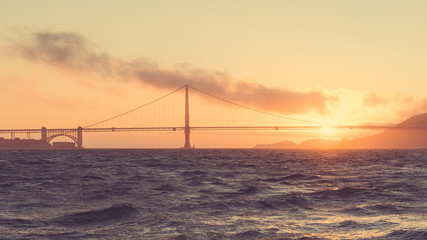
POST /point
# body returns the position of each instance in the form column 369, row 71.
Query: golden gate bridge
column 203, row 118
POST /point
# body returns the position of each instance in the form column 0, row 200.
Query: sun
column 327, row 130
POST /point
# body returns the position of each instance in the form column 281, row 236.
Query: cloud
column 73, row 52
column 412, row 107
column 278, row 99
column 397, row 107
column 67, row 50
column 373, row 99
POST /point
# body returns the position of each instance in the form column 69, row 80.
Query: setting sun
column 328, row 130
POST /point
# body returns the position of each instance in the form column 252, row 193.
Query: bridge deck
column 214, row 128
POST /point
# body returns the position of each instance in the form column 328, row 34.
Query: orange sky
column 345, row 62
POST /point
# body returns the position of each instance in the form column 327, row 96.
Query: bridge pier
column 187, row 138
column 44, row 134
column 79, row 137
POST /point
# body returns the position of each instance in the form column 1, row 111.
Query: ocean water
column 213, row 194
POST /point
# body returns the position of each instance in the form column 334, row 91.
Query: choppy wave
column 106, row 216
column 403, row 234
column 213, row 194
column 18, row 223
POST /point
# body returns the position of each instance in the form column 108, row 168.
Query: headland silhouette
column 411, row 133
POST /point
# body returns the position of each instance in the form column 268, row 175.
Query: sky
column 73, row 63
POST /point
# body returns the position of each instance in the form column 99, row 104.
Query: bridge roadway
column 214, row 128
column 76, row 134
column 232, row 128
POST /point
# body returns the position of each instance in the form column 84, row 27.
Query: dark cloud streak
column 73, row 52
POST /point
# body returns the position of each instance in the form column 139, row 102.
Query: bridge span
column 76, row 134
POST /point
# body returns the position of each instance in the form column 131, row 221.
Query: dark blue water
column 213, row 194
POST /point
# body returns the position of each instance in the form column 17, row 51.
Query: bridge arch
column 75, row 134
column 50, row 138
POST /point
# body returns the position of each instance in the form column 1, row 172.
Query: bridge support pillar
column 187, row 121
column 44, row 134
column 187, row 138
column 79, row 137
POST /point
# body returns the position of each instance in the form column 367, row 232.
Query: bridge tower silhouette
column 187, row 120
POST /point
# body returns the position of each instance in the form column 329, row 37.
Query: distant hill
column 23, row 144
column 281, row 144
column 411, row 133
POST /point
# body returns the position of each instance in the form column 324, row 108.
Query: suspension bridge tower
column 187, row 121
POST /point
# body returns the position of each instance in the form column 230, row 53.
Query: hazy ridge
column 411, row 133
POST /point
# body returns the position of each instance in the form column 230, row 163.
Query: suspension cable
column 259, row 111
column 132, row 110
